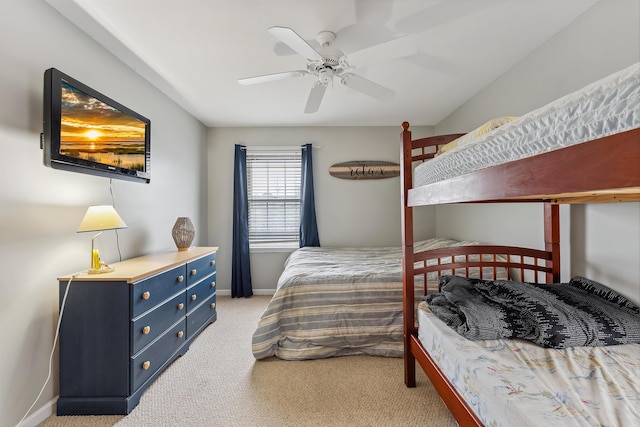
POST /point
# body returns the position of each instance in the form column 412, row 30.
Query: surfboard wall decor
column 365, row 169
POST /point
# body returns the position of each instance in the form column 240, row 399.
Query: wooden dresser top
column 135, row 269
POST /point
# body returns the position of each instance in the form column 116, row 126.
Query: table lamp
column 100, row 218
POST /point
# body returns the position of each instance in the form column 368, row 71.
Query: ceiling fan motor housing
column 325, row 38
column 330, row 55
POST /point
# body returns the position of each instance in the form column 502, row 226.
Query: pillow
column 485, row 128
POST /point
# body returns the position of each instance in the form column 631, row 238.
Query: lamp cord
column 55, row 341
column 113, row 202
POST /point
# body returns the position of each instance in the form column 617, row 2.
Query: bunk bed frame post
column 407, row 256
column 552, row 240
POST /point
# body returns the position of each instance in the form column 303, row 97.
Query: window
column 273, row 184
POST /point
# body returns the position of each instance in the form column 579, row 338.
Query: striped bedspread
column 337, row 302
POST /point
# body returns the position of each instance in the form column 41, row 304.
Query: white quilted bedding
column 606, row 107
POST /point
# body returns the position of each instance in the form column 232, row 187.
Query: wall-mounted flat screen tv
column 88, row 132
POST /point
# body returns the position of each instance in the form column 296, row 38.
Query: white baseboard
column 41, row 414
column 227, row 292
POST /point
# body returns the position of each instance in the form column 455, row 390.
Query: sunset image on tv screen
column 94, row 131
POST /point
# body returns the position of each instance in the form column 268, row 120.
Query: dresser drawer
column 200, row 268
column 148, row 327
column 152, row 291
column 200, row 315
column 145, row 364
column 200, row 292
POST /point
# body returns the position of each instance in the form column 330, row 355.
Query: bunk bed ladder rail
column 406, row 180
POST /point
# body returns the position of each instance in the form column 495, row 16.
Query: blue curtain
column 240, row 262
column 308, row 224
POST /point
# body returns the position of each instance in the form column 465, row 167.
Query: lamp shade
column 100, row 218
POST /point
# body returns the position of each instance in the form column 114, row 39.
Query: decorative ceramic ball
column 183, row 233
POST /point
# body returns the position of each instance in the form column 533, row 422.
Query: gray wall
column 350, row 213
column 604, row 239
column 40, row 208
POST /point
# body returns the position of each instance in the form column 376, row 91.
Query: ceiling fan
column 328, row 62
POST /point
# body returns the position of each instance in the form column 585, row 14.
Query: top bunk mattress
column 606, row 107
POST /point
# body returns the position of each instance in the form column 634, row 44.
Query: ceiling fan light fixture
column 325, row 75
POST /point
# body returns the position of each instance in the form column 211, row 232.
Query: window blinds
column 273, row 184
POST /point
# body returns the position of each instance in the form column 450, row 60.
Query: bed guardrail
column 488, row 262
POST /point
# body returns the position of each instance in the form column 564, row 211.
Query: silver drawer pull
column 194, row 297
column 213, row 262
column 146, row 330
column 213, row 284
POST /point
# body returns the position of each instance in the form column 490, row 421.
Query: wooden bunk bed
column 550, row 178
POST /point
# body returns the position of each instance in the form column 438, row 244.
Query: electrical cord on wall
column 113, row 202
column 62, row 305
column 55, row 341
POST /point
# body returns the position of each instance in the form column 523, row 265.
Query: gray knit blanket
column 579, row 313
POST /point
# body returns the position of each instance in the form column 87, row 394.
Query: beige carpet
column 219, row 383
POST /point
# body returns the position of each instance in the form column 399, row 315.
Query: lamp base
column 103, row 269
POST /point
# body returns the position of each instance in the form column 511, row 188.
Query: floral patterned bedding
column 517, row 383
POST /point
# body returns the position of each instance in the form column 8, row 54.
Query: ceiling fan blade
column 392, row 49
column 367, row 87
column 315, row 98
column 295, row 42
column 281, row 49
column 272, row 77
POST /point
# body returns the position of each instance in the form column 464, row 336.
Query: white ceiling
column 196, row 50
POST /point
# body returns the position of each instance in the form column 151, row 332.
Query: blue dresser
column 120, row 330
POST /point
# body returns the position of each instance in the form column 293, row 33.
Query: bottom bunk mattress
column 514, row 382
column 338, row 302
